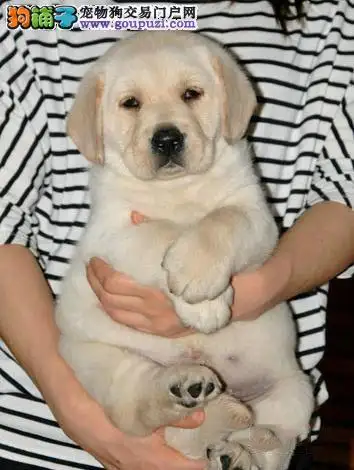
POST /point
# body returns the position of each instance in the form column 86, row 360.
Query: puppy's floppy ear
column 239, row 99
column 85, row 120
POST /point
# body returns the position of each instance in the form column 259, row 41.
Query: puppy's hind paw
column 229, row 456
column 184, row 388
column 256, row 438
column 191, row 385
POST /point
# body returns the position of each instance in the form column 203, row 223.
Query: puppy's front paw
column 196, row 268
column 207, row 316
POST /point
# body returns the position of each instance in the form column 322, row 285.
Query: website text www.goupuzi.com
column 103, row 17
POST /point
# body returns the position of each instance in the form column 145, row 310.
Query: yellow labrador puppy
column 162, row 115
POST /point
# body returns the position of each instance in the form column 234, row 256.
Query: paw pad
column 225, row 462
column 196, row 389
column 210, row 388
column 176, row 391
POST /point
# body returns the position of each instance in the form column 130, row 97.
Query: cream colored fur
column 206, row 220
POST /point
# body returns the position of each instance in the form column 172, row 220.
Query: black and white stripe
column 302, row 138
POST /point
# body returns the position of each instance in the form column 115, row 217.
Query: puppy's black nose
column 168, row 143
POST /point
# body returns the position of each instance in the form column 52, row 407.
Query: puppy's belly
column 244, row 382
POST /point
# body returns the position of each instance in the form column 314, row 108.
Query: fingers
column 123, row 303
column 182, row 331
column 102, row 276
column 117, row 291
column 190, row 422
column 100, row 268
column 143, row 308
column 132, row 319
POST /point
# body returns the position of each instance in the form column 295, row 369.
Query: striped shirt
column 303, row 143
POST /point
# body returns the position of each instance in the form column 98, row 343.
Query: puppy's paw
column 208, row 316
column 197, row 269
column 185, row 387
column 229, row 414
column 255, row 438
column 229, row 456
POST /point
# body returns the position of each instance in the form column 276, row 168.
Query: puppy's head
column 156, row 105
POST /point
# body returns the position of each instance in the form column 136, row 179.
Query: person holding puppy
column 303, row 142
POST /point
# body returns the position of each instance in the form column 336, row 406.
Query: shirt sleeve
column 334, row 174
column 21, row 172
column 333, row 179
column 24, row 140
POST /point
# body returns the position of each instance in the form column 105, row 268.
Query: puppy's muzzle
column 167, row 143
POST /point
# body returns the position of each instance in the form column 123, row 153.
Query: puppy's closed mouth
column 171, row 169
column 172, row 165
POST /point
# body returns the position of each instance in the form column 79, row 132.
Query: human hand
column 84, row 421
column 151, row 311
column 140, row 307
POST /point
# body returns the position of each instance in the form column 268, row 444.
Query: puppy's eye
column 191, row 94
column 130, row 103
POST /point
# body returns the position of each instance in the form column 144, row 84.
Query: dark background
column 335, row 447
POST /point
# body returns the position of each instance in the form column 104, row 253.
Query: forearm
column 26, row 320
column 319, row 246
